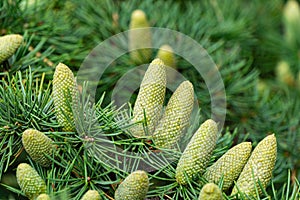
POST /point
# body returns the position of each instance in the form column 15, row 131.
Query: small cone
column 91, row 195
column 29, row 181
column 210, row 191
column 150, row 98
column 165, row 53
column 37, row 145
column 43, row 197
column 134, row 187
column 8, row 45
column 64, row 96
column 229, row 166
column 291, row 17
column 284, row 74
column 176, row 116
column 139, row 38
column 198, row 152
column 258, row 168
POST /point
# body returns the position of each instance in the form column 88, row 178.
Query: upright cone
column 134, row 187
column 198, row 152
column 29, row 181
column 150, row 98
column 259, row 168
column 8, row 45
column 229, row 166
column 38, row 146
column 139, row 38
column 64, row 96
column 43, row 197
column 210, row 191
column 176, row 116
column 91, row 195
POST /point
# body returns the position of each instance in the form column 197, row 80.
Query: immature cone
column 258, row 168
column 150, row 98
column 291, row 16
column 139, row 38
column 176, row 116
column 91, row 195
column 43, row 197
column 38, row 145
column 284, row 73
column 198, row 152
column 8, row 45
column 134, row 187
column 165, row 53
column 210, row 191
column 64, row 96
column 31, row 184
column 229, row 166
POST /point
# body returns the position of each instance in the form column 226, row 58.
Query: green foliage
column 246, row 45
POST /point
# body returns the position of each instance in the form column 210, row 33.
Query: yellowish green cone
column 8, row 45
column 198, row 152
column 134, row 187
column 37, row 145
column 165, row 53
column 31, row 184
column 210, row 191
column 259, row 167
column 64, row 96
column 43, row 197
column 284, row 73
column 291, row 17
column 91, row 195
column 176, row 116
column 229, row 166
column 150, row 98
column 139, row 37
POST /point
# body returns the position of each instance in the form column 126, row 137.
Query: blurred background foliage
column 246, row 39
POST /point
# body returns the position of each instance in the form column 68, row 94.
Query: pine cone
column 43, row 197
column 258, row 168
column 29, row 181
column 165, row 53
column 210, row 191
column 134, row 187
column 198, row 152
column 8, row 45
column 229, row 166
column 64, row 96
column 150, row 98
column 176, row 116
column 37, row 145
column 91, row 195
column 139, row 37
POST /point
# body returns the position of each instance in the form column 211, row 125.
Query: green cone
column 64, row 96
column 259, row 167
column 139, row 37
column 8, row 45
column 229, row 166
column 134, row 187
column 210, row 191
column 43, row 197
column 284, row 73
column 291, row 19
column 37, row 145
column 150, row 98
column 176, row 116
column 165, row 53
column 29, row 181
column 91, row 195
column 198, row 152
